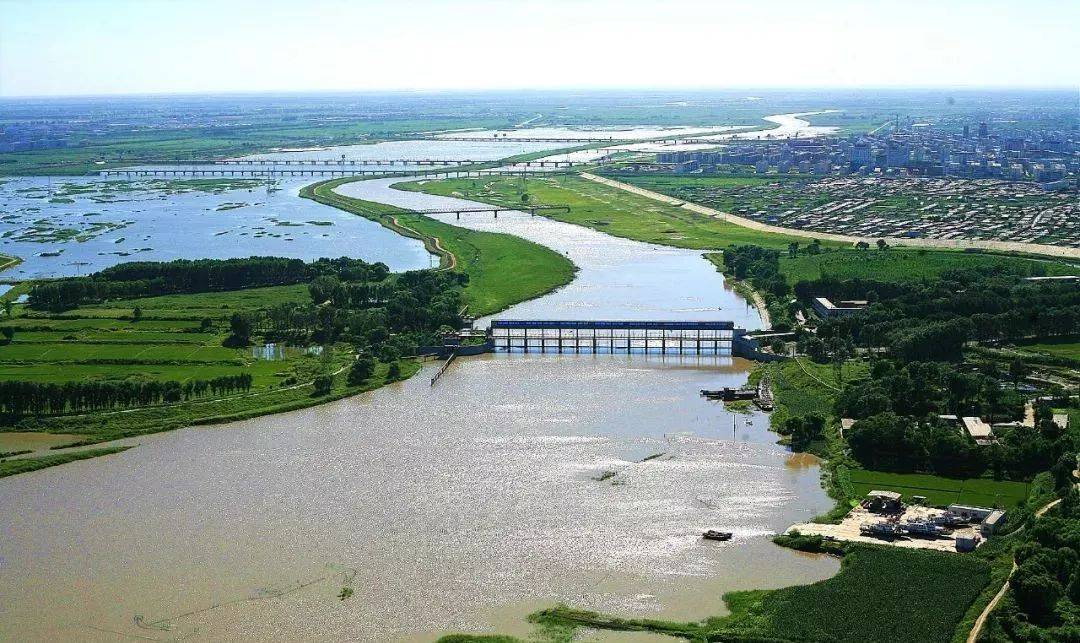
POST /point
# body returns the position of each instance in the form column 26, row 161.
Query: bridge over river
column 330, row 171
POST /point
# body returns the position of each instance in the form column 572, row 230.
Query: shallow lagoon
column 64, row 227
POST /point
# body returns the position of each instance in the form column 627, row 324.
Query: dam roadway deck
column 580, row 336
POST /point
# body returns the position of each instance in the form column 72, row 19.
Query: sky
column 78, row 47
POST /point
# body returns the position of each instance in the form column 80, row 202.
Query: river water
column 516, row 482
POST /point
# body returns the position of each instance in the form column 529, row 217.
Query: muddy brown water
column 518, row 481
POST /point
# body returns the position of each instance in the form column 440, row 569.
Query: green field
column 16, row 466
column 905, row 264
column 881, row 594
column 940, row 491
column 503, row 269
column 609, row 210
column 102, row 342
column 1065, row 347
column 216, row 305
column 631, row 216
column 130, row 148
column 802, row 387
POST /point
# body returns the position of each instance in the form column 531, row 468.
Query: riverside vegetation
column 911, row 356
column 150, row 346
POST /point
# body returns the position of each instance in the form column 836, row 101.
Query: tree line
column 393, row 317
column 39, row 398
column 152, row 278
column 932, row 320
column 1045, row 588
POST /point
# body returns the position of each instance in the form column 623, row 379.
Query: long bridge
column 298, row 171
column 529, row 139
column 586, row 140
column 347, row 162
column 569, row 336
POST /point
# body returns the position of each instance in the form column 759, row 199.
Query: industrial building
column 844, row 308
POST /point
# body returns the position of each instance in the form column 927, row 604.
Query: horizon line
column 569, row 88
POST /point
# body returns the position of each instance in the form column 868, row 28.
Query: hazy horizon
column 547, row 90
column 125, row 48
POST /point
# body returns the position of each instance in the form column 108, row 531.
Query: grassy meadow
column 607, row 209
column 503, row 269
column 16, row 466
column 623, row 214
column 939, row 491
column 904, row 264
column 1064, row 347
column 104, row 342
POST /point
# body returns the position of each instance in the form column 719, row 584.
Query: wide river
column 514, row 483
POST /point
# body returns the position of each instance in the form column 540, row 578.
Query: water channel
column 517, row 482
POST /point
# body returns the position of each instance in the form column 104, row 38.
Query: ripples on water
column 449, row 501
column 516, row 482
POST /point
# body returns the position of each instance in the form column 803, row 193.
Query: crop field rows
column 103, row 342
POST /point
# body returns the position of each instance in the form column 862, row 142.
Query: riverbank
column 8, row 262
column 940, row 244
column 503, row 269
column 833, row 609
column 501, row 437
column 745, row 289
column 606, row 209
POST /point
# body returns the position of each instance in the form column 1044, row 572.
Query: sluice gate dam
column 569, row 336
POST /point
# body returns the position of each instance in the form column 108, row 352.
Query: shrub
column 323, row 384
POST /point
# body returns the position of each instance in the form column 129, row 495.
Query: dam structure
column 610, row 336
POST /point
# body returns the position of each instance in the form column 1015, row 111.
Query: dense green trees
column 924, row 388
column 19, row 398
column 1045, row 589
column 240, row 326
column 889, row 441
column 761, row 266
column 932, row 320
column 804, row 430
column 148, row 278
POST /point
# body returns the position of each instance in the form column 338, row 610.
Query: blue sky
column 50, row 47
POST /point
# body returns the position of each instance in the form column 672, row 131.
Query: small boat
column 713, row 534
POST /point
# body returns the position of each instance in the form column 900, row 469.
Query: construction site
column 882, row 518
